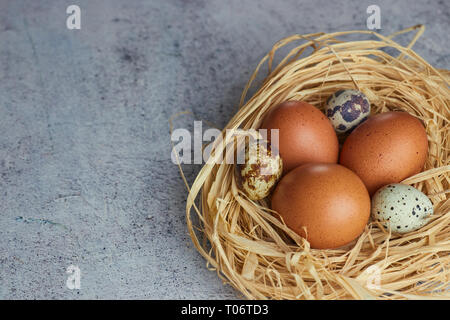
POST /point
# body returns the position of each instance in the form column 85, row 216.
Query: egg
column 305, row 134
column 401, row 208
column 346, row 109
column 261, row 169
column 328, row 200
column 387, row 148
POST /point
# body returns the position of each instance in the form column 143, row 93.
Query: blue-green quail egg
column 346, row 109
column 401, row 208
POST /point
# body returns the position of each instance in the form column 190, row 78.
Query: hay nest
column 262, row 258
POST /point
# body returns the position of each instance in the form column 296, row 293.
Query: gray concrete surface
column 85, row 171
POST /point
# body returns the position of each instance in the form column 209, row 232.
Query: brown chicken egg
column 305, row 134
column 387, row 148
column 328, row 200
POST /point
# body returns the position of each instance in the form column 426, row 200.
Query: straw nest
column 262, row 258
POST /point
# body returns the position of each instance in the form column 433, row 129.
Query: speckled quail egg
column 346, row 109
column 401, row 208
column 261, row 170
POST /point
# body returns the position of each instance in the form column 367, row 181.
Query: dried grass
column 258, row 255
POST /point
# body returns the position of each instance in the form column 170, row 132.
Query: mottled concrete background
column 85, row 171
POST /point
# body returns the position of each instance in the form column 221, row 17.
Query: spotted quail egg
column 346, row 109
column 261, row 170
column 401, row 208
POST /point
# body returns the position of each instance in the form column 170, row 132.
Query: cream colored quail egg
column 346, row 109
column 261, row 170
